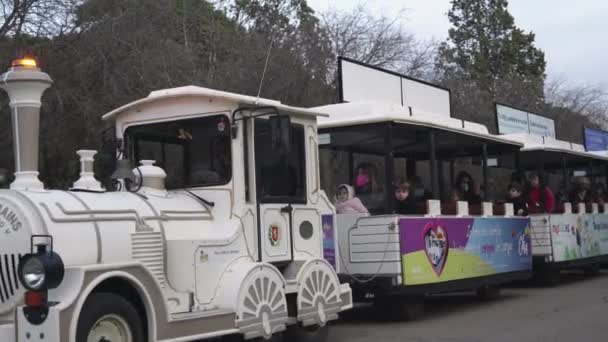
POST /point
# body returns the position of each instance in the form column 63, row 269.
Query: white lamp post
column 25, row 83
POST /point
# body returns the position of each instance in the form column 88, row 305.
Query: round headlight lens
column 33, row 273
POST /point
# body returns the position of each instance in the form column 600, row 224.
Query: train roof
column 360, row 113
column 202, row 92
column 536, row 144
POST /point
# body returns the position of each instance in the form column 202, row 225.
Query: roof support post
column 565, row 172
column 484, row 170
column 433, row 159
column 389, row 168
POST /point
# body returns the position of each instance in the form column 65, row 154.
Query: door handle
column 287, row 210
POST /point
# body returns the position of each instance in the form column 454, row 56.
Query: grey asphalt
column 574, row 311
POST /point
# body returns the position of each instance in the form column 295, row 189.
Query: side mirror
column 280, row 134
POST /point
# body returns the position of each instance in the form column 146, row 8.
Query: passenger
column 404, row 203
column 599, row 194
column 464, row 183
column 520, row 206
column 581, row 193
column 418, row 192
column 455, row 196
column 346, row 202
column 364, row 179
column 367, row 188
column 539, row 201
column 518, row 177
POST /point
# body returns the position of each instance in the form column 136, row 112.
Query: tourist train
column 235, row 215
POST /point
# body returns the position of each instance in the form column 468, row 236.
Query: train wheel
column 306, row 334
column 109, row 317
column 488, row 292
column 592, row 270
column 551, row 277
column 400, row 307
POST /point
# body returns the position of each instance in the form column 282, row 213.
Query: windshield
column 193, row 152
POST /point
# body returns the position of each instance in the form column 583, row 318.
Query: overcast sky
column 573, row 34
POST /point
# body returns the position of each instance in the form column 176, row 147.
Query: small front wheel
column 109, row 317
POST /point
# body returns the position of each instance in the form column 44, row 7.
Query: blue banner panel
column 596, row 140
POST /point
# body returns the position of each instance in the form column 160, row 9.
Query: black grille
column 9, row 283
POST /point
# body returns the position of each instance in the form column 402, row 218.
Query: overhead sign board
column 362, row 82
column 595, row 140
column 513, row 120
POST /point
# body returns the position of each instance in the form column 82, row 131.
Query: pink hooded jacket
column 352, row 204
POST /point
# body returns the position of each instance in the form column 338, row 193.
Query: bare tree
column 37, row 18
column 378, row 40
column 586, row 99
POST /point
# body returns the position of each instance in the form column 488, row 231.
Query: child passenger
column 404, row 203
column 346, row 202
column 520, row 205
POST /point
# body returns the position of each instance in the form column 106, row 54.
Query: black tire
column 488, row 292
column 309, row 334
column 592, row 270
column 551, row 277
column 101, row 304
column 400, row 308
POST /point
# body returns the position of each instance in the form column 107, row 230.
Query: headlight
column 33, row 274
column 42, row 270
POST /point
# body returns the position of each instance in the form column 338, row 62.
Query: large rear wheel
column 107, row 317
column 308, row 334
column 400, row 308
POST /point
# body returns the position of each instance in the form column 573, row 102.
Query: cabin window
column 193, row 152
column 356, row 156
column 280, row 179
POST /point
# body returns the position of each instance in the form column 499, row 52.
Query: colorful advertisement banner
column 578, row 236
column 595, row 140
column 443, row 249
column 329, row 240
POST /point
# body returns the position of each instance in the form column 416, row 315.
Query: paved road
column 575, row 311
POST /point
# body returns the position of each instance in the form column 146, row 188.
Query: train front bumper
column 346, row 295
column 7, row 332
column 23, row 331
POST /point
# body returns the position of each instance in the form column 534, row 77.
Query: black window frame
column 131, row 141
column 265, row 199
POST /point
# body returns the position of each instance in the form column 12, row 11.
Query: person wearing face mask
column 418, row 192
column 363, row 180
column 464, row 183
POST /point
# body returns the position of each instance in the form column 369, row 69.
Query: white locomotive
column 226, row 238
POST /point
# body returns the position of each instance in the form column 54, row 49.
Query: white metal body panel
column 360, row 83
column 368, row 245
column 425, row 99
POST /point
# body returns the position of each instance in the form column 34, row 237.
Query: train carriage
column 397, row 259
column 572, row 234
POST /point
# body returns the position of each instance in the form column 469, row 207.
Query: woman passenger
column 539, row 201
column 464, row 183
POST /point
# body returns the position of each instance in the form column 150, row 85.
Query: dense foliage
column 105, row 53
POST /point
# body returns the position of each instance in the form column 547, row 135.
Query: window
column 356, row 156
column 193, row 152
column 280, row 179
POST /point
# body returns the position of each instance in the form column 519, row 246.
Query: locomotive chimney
column 25, row 83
